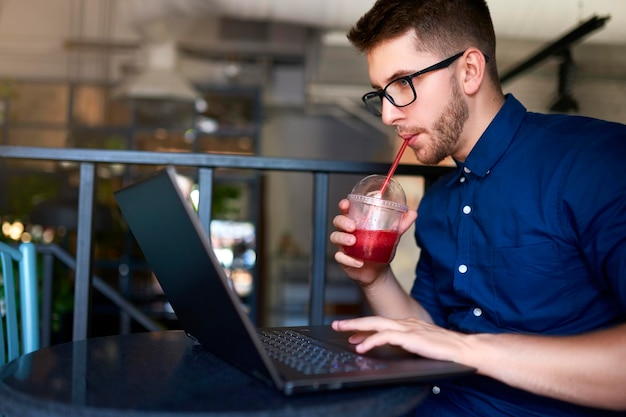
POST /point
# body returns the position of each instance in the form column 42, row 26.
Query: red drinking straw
column 393, row 167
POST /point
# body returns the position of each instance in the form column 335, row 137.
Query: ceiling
column 522, row 19
column 541, row 21
column 204, row 40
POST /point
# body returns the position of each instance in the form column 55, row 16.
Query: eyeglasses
column 401, row 92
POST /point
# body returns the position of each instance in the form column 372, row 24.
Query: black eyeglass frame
column 367, row 97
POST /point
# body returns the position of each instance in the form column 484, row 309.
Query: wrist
column 379, row 278
column 474, row 348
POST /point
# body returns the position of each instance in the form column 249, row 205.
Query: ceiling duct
column 561, row 48
column 557, row 47
column 565, row 102
column 159, row 80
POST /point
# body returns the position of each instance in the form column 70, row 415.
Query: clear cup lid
column 368, row 191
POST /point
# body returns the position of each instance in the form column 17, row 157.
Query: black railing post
column 46, row 298
column 205, row 191
column 318, row 267
column 82, row 289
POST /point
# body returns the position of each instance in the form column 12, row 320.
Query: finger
column 358, row 337
column 344, row 223
column 342, row 239
column 365, row 341
column 382, row 338
column 407, row 221
column 344, row 205
column 348, row 261
column 372, row 332
column 365, row 324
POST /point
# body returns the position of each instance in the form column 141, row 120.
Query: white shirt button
column 467, row 170
column 462, row 180
column 436, row 390
column 467, row 210
column 462, row 269
column 477, row 312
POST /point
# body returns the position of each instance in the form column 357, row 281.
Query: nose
column 390, row 114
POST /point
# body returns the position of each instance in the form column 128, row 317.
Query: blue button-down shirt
column 528, row 235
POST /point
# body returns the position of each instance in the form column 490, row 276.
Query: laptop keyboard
column 309, row 356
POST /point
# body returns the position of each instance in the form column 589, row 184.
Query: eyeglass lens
column 400, row 93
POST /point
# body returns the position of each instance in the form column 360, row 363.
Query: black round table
column 166, row 374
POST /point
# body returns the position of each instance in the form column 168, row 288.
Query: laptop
column 179, row 252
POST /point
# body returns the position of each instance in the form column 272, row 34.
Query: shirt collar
column 494, row 140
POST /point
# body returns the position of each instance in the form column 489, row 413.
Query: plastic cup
column 377, row 218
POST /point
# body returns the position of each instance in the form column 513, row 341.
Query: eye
column 403, row 82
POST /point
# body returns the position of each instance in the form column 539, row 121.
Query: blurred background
column 244, row 77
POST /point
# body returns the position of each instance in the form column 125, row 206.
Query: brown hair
column 442, row 27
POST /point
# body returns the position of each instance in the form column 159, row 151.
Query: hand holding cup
column 377, row 217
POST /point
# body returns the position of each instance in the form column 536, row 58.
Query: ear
column 475, row 67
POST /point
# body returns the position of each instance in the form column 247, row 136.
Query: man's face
column 433, row 123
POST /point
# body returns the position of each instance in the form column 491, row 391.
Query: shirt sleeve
column 594, row 207
column 424, row 291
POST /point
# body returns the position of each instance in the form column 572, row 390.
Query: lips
column 411, row 138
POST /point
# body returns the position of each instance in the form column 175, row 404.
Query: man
column 522, row 272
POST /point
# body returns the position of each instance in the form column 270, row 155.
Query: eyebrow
column 395, row 76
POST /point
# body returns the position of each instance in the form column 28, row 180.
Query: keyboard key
column 309, row 356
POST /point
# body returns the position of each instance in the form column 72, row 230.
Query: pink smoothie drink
column 377, row 216
column 373, row 245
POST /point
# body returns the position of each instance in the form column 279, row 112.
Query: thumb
column 408, row 219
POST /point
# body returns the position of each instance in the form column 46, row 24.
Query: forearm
column 387, row 298
column 586, row 369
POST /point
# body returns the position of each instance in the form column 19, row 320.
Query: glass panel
column 23, row 136
column 52, row 138
column 239, row 145
column 97, row 139
column 94, row 107
column 3, row 107
column 164, row 113
column 235, row 247
column 231, row 109
column 162, row 140
column 30, row 165
column 39, row 103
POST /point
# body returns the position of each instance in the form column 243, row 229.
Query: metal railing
column 206, row 164
column 52, row 252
